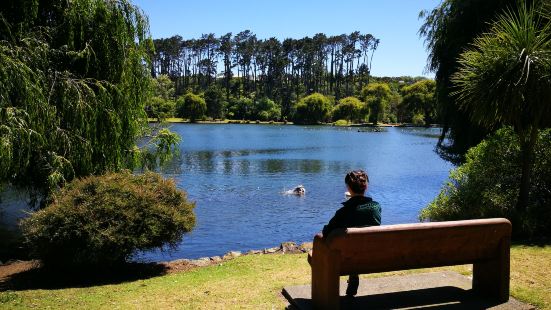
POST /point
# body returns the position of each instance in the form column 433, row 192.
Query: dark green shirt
column 358, row 211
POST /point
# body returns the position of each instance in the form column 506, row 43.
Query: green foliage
column 252, row 67
column 214, row 99
column 448, row 29
column 241, row 108
column 163, row 87
column 350, row 109
column 505, row 79
column 157, row 151
column 341, row 122
column 377, row 96
column 73, row 88
column 418, row 119
column 418, row 98
column 486, row 185
column 312, row 109
column 267, row 110
column 161, row 108
column 103, row 220
column 191, row 106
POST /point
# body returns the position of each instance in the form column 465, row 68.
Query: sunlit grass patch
column 254, row 281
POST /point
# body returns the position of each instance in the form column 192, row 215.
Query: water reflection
column 433, row 132
column 209, row 162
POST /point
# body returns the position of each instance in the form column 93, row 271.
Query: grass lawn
column 252, row 281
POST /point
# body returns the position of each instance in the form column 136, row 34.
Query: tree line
column 386, row 100
column 243, row 65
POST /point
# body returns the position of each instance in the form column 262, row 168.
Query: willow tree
column 505, row 77
column 376, row 96
column 73, row 86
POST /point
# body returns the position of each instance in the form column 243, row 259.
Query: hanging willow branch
column 73, row 86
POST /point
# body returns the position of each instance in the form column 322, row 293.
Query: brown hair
column 357, row 181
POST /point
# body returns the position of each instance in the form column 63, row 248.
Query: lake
column 237, row 174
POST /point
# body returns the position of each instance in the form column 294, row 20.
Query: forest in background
column 243, row 77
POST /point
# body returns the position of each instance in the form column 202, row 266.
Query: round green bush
column 350, row 109
column 104, row 220
column 191, row 106
column 312, row 109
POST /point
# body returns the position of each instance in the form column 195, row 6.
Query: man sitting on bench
column 358, row 211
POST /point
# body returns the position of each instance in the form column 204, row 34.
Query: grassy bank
column 252, row 281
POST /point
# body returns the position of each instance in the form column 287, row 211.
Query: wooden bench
column 484, row 243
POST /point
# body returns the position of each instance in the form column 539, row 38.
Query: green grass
column 341, row 122
column 253, row 281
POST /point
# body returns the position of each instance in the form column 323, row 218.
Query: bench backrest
column 407, row 246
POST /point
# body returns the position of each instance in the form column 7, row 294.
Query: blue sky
column 394, row 22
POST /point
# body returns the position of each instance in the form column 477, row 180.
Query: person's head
column 356, row 181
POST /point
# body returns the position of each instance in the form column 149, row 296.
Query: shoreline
column 13, row 267
column 176, row 120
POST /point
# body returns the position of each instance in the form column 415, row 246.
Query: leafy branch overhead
column 73, row 88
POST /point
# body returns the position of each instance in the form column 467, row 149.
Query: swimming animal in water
column 299, row 190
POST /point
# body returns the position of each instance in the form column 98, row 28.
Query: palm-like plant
column 505, row 78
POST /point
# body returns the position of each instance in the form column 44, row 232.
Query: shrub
column 312, row 109
column 103, row 220
column 241, row 108
column 349, row 108
column 487, row 185
column 341, row 122
column 191, row 106
column 266, row 109
column 161, row 108
column 418, row 119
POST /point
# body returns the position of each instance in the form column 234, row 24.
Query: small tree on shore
column 313, row 109
column 214, row 99
column 376, row 97
column 191, row 106
column 266, row 109
column 350, row 109
column 419, row 99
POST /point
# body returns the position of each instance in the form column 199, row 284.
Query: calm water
column 236, row 174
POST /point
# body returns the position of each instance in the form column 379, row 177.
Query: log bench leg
column 491, row 278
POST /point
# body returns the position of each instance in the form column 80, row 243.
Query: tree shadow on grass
column 38, row 277
column 533, row 242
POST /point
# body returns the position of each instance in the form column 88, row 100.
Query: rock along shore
column 284, row 248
